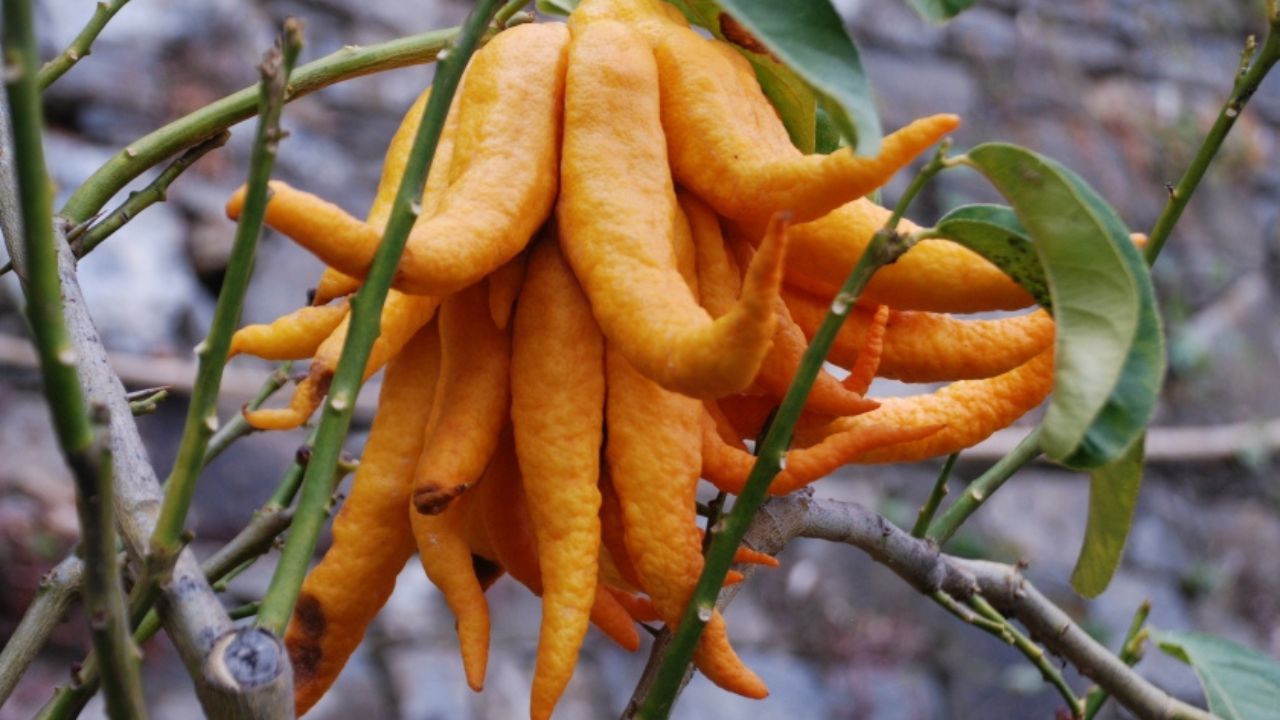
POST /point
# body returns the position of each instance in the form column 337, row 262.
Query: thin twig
column 246, row 610
column 85, row 440
column 654, row 700
column 936, row 164
column 193, row 617
column 57, row 590
column 81, row 46
column 103, row 591
column 1192, row 443
column 153, row 148
column 149, row 402
column 1034, row 653
column 921, row 565
column 142, row 199
column 1130, row 654
column 948, row 603
column 63, row 582
column 979, row 490
column 935, row 498
column 1246, row 85
column 366, row 309
column 202, row 412
column 239, row 384
column 253, row 541
column 237, row 427
column 715, row 510
column 504, row 15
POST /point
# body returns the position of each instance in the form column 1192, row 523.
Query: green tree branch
column 84, row 440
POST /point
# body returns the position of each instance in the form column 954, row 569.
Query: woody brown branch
column 924, row 567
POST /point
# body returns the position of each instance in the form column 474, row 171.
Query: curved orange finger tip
column 402, row 317
column 557, row 418
column 235, row 203
column 747, row 556
column 471, row 408
column 716, row 659
column 509, row 123
column 372, row 538
column 718, row 282
column 733, row 577
column 969, row 410
column 728, row 145
column 867, row 365
column 620, row 244
column 828, row 396
column 500, row 508
column 290, row 337
column 448, row 562
column 930, row 347
column 504, row 287
column 806, row 465
column 934, row 275
column 332, row 285
column 614, row 621
column 306, row 398
column 653, row 454
column 728, row 467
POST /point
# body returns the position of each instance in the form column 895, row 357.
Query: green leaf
column 939, row 10
column 1113, row 496
column 1239, row 683
column 556, row 7
column 809, row 37
column 826, row 136
column 1134, row 398
column 791, row 97
column 1110, row 345
column 994, row 232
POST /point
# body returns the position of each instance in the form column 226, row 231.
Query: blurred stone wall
column 1119, row 90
